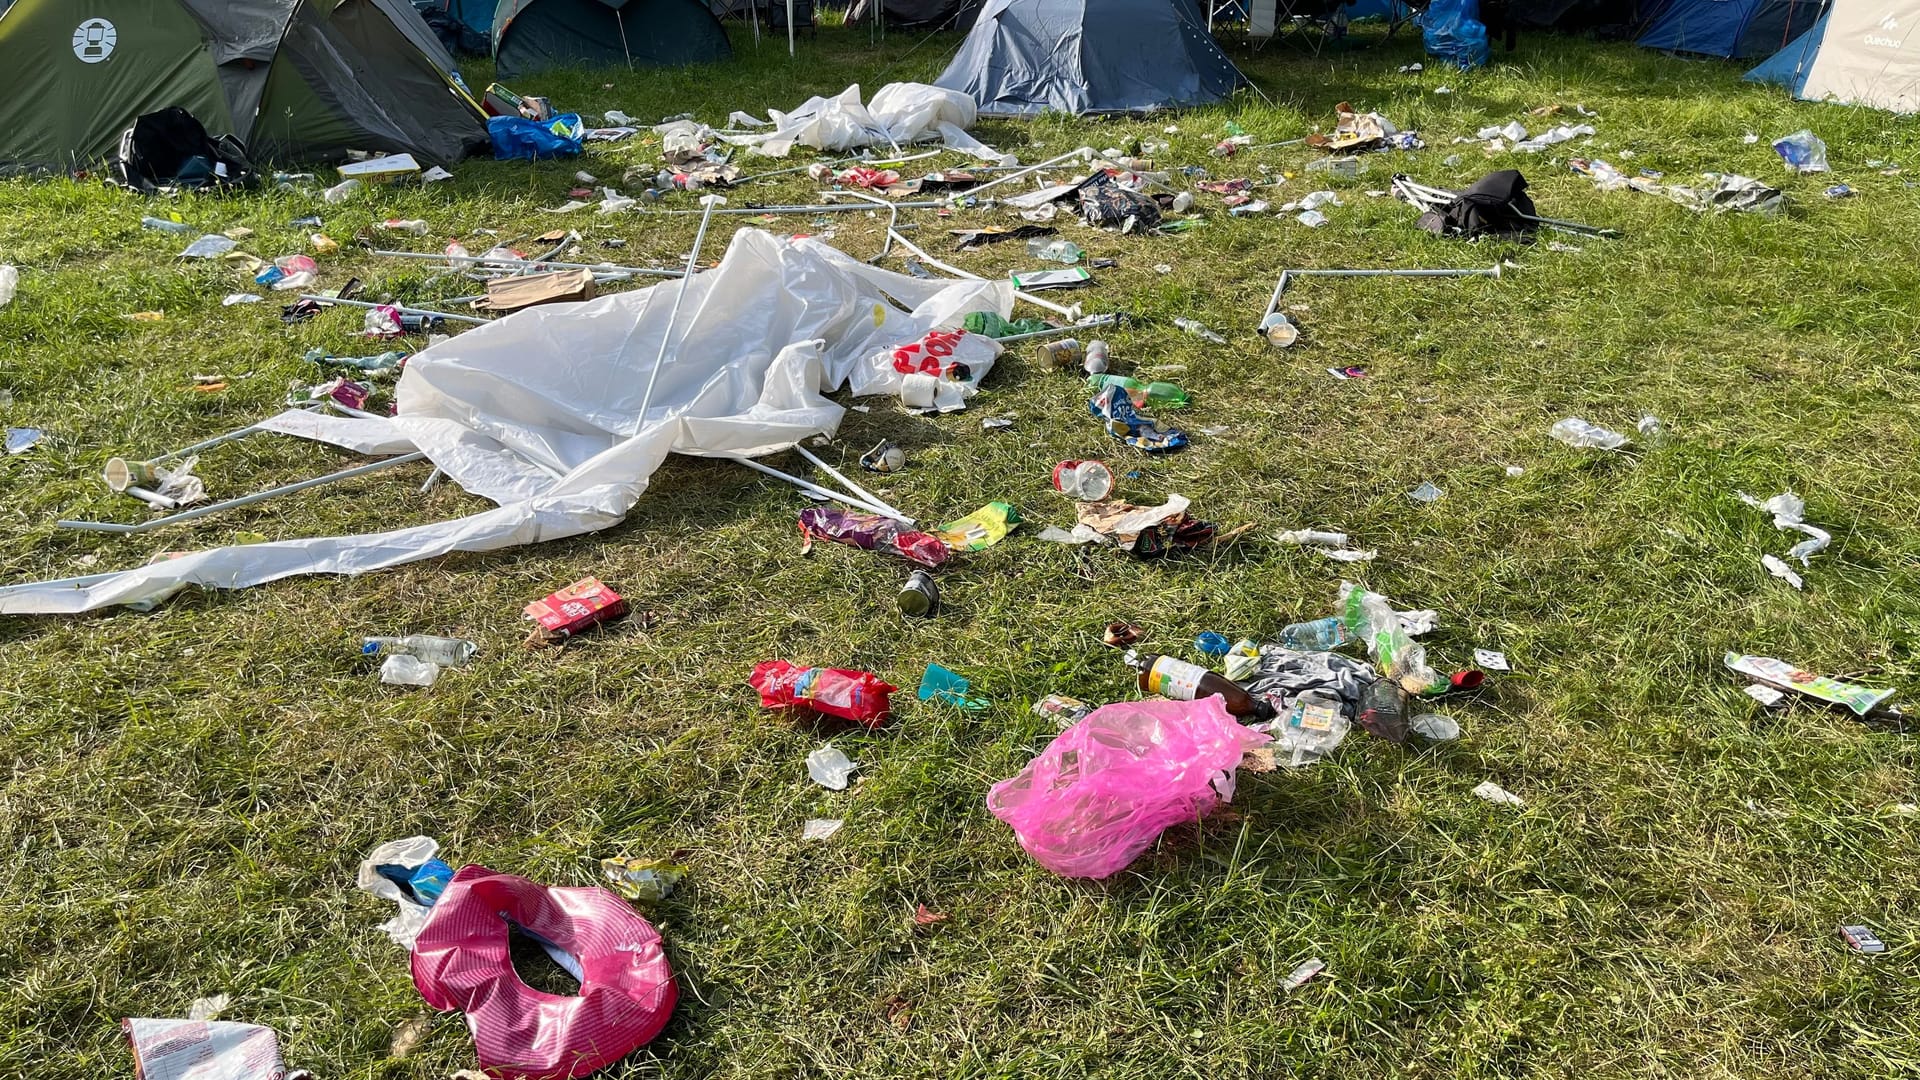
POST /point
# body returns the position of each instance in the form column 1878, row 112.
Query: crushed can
column 1083, row 481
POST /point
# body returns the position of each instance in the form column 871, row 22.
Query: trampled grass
column 188, row 790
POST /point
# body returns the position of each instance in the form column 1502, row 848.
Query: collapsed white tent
column 539, row 411
column 899, row 115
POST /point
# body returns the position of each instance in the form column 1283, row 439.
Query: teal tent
column 535, row 35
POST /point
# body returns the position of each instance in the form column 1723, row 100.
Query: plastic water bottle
column 1200, row 330
column 166, row 226
column 1320, row 635
column 443, row 651
column 1060, row 251
column 1164, row 394
column 343, row 190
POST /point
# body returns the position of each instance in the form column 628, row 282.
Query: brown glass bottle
column 1182, row 681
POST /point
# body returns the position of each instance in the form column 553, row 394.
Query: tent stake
column 851, row 486
column 825, row 493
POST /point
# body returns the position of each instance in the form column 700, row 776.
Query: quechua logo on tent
column 93, row 41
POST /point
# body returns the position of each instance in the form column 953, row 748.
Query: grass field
column 188, row 791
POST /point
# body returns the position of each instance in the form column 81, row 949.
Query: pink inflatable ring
column 461, row 961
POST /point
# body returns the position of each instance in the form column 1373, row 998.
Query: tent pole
column 1084, row 152
column 1070, row 313
column 680, row 294
column 842, row 477
column 789, row 28
column 621, row 22
column 827, row 493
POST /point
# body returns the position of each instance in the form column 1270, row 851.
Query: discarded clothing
column 1106, row 204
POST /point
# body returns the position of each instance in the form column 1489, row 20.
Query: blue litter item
column 1125, row 423
column 1454, row 33
column 944, row 686
column 516, row 137
column 430, row 880
column 1212, row 644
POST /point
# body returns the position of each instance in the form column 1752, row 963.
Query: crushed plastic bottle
column 343, row 190
column 1579, row 433
column 830, row 768
column 1802, row 151
column 1060, row 251
column 1312, row 728
column 443, row 651
column 1199, row 329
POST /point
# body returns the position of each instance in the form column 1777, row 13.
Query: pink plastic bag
column 1100, row 793
column 461, row 961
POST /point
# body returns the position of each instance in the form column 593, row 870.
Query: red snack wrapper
column 850, row 695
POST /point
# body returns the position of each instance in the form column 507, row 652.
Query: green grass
column 187, row 791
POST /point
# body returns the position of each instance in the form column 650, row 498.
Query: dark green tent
column 292, row 79
column 534, row 35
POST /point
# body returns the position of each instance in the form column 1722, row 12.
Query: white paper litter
column 1766, row 695
column 240, row 298
column 561, row 447
column 1492, row 661
column 1781, row 570
column 820, row 828
column 208, row 1008
column 1494, row 793
column 435, row 174
column 1298, row 976
column 1789, row 512
column 1080, row 534
column 830, row 768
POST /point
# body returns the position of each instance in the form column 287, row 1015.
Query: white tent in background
column 540, row 411
column 1859, row 53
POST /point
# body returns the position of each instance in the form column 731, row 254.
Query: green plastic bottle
column 1163, row 394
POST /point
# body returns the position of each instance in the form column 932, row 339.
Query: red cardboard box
column 580, row 606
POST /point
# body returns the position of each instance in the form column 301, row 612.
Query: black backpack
column 170, row 148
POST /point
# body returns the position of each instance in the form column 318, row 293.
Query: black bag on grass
column 1493, row 206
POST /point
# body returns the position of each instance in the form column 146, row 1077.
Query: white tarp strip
column 537, row 411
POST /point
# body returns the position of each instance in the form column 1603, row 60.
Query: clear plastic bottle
column 1096, row 361
column 1060, row 251
column 1383, row 710
column 162, row 224
column 343, row 190
column 1652, row 431
column 1200, row 330
column 1579, row 433
column 444, row 651
column 1320, row 635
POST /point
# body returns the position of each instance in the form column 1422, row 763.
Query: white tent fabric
column 539, row 411
column 1868, row 56
column 900, row 114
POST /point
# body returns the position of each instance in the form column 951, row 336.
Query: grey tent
column 1027, row 56
column 917, row 14
column 293, row 79
column 537, row 35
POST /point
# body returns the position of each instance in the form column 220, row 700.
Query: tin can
column 1064, row 354
column 1085, row 481
column 920, row 595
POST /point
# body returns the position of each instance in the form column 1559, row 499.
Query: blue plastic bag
column 1454, row 32
column 518, row 137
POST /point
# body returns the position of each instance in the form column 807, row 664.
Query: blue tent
column 1737, row 29
column 1023, row 57
column 1789, row 66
